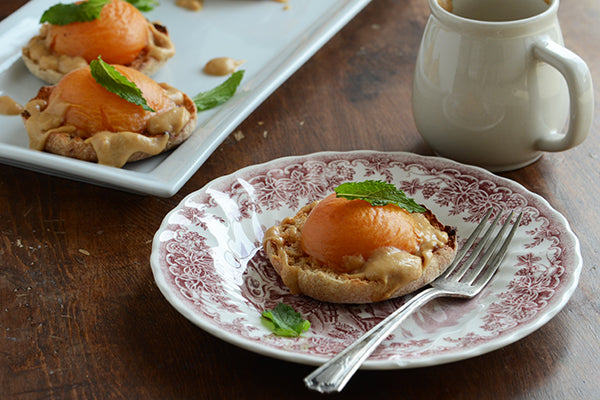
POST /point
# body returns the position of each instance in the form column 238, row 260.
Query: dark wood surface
column 81, row 317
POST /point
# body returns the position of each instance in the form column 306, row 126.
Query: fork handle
column 335, row 373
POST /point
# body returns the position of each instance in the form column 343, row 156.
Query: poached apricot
column 337, row 228
column 92, row 108
column 119, row 35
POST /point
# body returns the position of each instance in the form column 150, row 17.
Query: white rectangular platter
column 274, row 39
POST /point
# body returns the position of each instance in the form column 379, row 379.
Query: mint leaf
column 283, row 320
column 144, row 5
column 220, row 94
column 112, row 80
column 64, row 14
column 378, row 193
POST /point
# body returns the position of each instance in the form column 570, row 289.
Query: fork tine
column 463, row 250
column 460, row 272
column 473, row 273
column 489, row 272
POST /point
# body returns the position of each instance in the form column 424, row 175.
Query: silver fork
column 463, row 280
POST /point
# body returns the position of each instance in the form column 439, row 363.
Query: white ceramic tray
column 275, row 41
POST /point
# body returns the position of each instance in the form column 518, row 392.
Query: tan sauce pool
column 9, row 107
column 221, row 66
column 197, row 5
column 192, row 5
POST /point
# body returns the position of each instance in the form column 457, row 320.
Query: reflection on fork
column 468, row 274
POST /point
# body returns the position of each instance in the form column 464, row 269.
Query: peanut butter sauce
column 9, row 107
column 192, row 5
column 222, row 66
column 398, row 267
column 115, row 148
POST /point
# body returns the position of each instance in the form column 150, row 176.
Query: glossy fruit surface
column 92, row 108
column 338, row 227
column 119, row 35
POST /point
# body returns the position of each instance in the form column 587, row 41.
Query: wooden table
column 81, row 317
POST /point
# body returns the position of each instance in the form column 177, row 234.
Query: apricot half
column 92, row 108
column 337, row 228
column 119, row 35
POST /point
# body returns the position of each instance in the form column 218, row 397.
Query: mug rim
column 447, row 16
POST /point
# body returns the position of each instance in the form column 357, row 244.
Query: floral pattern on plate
column 208, row 261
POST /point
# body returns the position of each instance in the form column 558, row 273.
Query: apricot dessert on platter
column 72, row 35
column 128, row 117
column 365, row 243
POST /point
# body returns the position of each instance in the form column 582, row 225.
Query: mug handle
column 581, row 95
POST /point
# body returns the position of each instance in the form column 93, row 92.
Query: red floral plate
column 208, row 261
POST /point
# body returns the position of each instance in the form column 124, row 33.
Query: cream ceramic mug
column 495, row 87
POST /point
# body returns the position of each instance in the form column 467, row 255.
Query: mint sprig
column 283, row 320
column 65, row 14
column 112, row 80
column 378, row 193
column 144, row 5
column 220, row 94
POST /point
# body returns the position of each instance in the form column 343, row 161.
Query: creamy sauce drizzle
column 171, row 121
column 197, row 5
column 9, row 107
column 39, row 51
column 398, row 267
column 430, row 237
column 222, row 66
column 160, row 45
column 115, row 148
column 388, row 264
column 43, row 121
column 192, row 5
